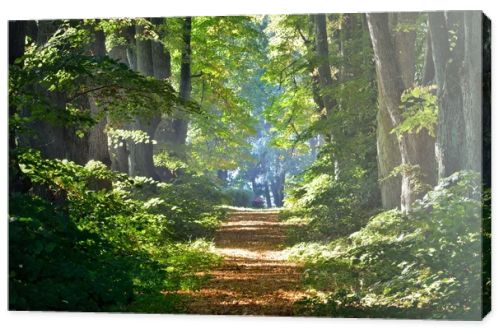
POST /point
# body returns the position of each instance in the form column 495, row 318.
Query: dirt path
column 255, row 277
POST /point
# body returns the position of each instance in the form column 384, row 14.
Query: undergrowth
column 424, row 264
column 128, row 247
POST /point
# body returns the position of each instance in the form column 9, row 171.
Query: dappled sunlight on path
column 255, row 277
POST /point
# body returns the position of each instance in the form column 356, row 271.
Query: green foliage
column 338, row 191
column 424, row 264
column 239, row 197
column 116, row 137
column 170, row 162
column 226, row 56
column 52, row 81
column 420, row 110
column 90, row 250
column 414, row 173
column 189, row 202
column 332, row 207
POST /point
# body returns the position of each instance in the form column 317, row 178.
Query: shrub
column 332, row 207
column 423, row 264
column 239, row 197
column 75, row 248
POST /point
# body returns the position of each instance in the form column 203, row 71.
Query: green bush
column 423, row 264
column 332, row 207
column 239, row 197
column 190, row 203
column 75, row 248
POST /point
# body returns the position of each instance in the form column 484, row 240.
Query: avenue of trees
column 129, row 138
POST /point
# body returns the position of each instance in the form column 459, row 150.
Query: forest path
column 255, row 277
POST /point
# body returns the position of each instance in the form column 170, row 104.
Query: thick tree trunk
column 141, row 154
column 388, row 158
column 51, row 143
column 98, row 139
column 277, row 188
column 326, row 84
column 428, row 71
column 267, row 194
column 325, row 76
column 458, row 77
column 404, row 47
column 180, row 122
column 391, row 86
column 486, row 101
column 472, row 89
column 422, row 144
column 119, row 155
column 55, row 141
column 162, row 70
column 254, row 187
column 129, row 34
column 17, row 35
column 222, row 176
column 450, row 133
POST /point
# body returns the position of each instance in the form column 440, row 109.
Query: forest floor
column 255, row 277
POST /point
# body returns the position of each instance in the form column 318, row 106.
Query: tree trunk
column 325, row 76
column 388, row 158
column 98, row 139
column 119, row 154
column 391, row 86
column 17, row 35
column 222, row 176
column 267, row 194
column 404, row 47
column 129, row 35
column 55, row 141
column 428, row 72
column 180, row 122
column 141, row 154
column 422, row 144
column 450, row 134
column 472, row 89
column 277, row 188
column 254, row 187
column 162, row 70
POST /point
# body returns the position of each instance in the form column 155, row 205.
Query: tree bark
column 326, row 83
column 119, row 154
column 450, row 134
column 98, row 139
column 391, row 86
column 428, row 71
column 267, row 194
column 325, row 76
column 162, row 70
column 388, row 158
column 17, row 34
column 277, row 188
column 180, row 122
column 422, row 144
column 472, row 89
column 141, row 154
column 404, row 46
column 55, row 141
